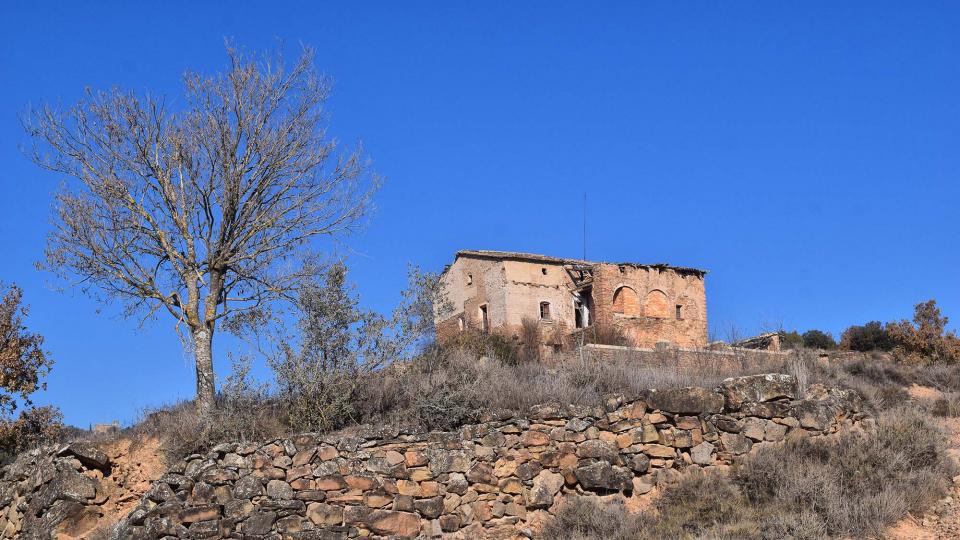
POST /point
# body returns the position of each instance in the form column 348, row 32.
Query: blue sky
column 807, row 154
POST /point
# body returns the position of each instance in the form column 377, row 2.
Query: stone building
column 495, row 291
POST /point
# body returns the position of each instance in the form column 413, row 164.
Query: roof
column 533, row 257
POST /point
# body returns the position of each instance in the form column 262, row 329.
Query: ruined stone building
column 494, row 291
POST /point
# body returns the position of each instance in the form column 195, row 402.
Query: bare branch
column 199, row 211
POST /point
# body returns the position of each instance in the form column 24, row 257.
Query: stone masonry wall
column 54, row 492
column 503, row 474
column 646, row 329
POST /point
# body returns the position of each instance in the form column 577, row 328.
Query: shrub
column 606, row 335
column 698, row 506
column 790, row 340
column 851, row 486
column 23, row 364
column 34, row 427
column 869, row 337
column 487, row 344
column 586, row 518
column 244, row 411
column 948, row 405
column 531, row 341
column 926, row 339
column 816, row 339
column 857, row 483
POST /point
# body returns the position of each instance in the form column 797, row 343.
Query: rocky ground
column 943, row 520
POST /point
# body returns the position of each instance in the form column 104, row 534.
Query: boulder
column 702, row 454
column 457, row 483
column 640, row 463
column 390, row 523
column 757, row 389
column 735, row 443
column 194, row 514
column 89, row 455
column 429, row 508
column 278, row 489
column 754, row 429
column 597, row 449
column 545, row 486
column 481, row 473
column 603, row 476
column 691, row 400
column 259, row 523
column 247, row 487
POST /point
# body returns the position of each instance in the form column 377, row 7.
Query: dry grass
column 442, row 388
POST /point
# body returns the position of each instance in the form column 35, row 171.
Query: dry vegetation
column 852, row 485
column 442, row 388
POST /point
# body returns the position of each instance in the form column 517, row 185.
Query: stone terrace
column 502, row 474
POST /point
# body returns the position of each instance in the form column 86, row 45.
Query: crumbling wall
column 680, row 287
column 715, row 360
column 468, row 284
column 501, row 474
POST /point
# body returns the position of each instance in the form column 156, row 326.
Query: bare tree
column 205, row 210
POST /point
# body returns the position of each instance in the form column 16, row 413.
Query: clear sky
column 807, row 154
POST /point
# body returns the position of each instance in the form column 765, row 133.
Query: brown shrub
column 244, row 411
column 605, row 335
column 531, row 341
column 586, row 518
column 477, row 343
column 23, row 364
column 857, row 483
column 34, row 427
column 946, row 406
column 925, row 340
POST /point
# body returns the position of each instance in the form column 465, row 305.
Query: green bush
column 816, row 339
column 791, row 340
column 869, row 337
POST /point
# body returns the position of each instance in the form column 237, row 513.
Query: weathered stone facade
column 651, row 304
column 501, row 475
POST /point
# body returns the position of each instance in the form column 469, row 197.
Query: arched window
column 545, row 310
column 626, row 302
column 655, row 305
column 460, row 323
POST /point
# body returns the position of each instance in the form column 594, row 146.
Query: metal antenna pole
column 584, row 225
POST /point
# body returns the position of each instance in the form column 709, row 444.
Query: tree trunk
column 203, row 355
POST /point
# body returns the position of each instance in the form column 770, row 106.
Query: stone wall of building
column 512, row 292
column 648, row 313
column 718, row 360
column 470, row 283
column 503, row 474
column 642, row 301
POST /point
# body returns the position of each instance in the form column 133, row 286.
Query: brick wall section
column 678, row 287
column 499, row 475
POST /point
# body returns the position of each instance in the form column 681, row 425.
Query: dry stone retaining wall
column 496, row 475
column 53, row 492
